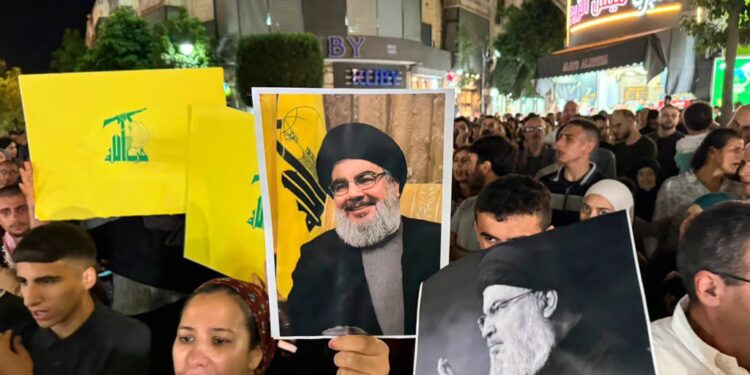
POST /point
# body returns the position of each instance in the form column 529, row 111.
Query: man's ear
column 549, row 299
column 709, row 288
column 89, row 277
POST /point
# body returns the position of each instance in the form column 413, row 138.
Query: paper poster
column 357, row 199
column 567, row 301
column 224, row 213
column 110, row 144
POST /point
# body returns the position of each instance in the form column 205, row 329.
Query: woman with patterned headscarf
column 224, row 329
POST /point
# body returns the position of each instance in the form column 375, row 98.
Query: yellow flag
column 113, row 144
column 293, row 128
column 224, row 216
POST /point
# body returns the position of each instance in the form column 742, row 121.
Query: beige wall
column 432, row 13
column 480, row 7
column 415, row 122
column 203, row 10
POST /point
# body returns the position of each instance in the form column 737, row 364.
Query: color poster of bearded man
column 566, row 301
column 356, row 206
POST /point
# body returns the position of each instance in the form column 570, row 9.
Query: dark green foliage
column 532, row 31
column 278, row 60
column 124, row 41
column 180, row 29
column 68, row 57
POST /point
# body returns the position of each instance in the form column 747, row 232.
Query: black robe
column 330, row 287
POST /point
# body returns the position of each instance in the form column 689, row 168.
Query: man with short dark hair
column 602, row 122
column 73, row 334
column 569, row 183
column 666, row 137
column 709, row 331
column 630, row 146
column 511, row 207
column 15, row 221
column 698, row 119
column 9, row 173
column 496, row 157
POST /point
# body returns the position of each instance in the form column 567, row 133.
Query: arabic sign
column 591, row 21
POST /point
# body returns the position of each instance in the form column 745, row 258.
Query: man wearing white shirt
column 709, row 332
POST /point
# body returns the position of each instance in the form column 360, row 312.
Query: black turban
column 531, row 263
column 360, row 141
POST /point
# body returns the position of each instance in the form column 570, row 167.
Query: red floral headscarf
column 256, row 298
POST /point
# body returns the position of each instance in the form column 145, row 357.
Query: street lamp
column 186, row 48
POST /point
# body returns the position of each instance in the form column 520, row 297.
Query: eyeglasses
column 8, row 172
column 730, row 276
column 364, row 181
column 501, row 305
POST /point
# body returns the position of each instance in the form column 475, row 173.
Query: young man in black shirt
column 569, row 183
column 666, row 137
column 630, row 146
column 70, row 333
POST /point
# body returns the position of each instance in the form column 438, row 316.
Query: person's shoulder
column 418, row 224
column 323, row 239
column 670, row 353
column 123, row 330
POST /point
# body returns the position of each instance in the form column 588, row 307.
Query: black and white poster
column 567, row 301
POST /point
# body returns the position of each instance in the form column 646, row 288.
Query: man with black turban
column 366, row 272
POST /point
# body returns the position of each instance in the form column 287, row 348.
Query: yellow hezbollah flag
column 110, row 144
column 294, row 127
column 224, row 216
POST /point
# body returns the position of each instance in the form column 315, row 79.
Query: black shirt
column 108, row 343
column 626, row 156
column 12, row 311
column 667, row 147
column 568, row 195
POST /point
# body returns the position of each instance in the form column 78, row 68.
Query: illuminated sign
column 741, row 89
column 368, row 76
column 586, row 13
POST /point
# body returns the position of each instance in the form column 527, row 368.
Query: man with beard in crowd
column 741, row 122
column 665, row 137
column 630, row 146
column 365, row 273
column 535, row 154
column 495, row 157
column 491, row 126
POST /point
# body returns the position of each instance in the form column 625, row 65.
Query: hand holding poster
column 567, row 301
column 355, row 194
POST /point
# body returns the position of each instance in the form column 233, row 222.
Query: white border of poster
column 269, row 240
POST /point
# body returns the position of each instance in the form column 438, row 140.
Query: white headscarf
column 618, row 195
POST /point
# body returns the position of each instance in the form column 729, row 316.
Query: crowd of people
column 678, row 173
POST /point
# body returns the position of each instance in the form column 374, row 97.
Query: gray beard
column 386, row 222
column 527, row 355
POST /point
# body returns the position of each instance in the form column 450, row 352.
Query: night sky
column 31, row 29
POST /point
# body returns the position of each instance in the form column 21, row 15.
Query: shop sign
column 574, row 66
column 369, row 76
column 337, row 45
column 595, row 8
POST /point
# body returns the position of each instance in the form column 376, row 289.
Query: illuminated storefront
column 741, row 90
column 620, row 54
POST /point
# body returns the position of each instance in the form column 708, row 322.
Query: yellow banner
column 224, row 221
column 111, row 144
column 294, row 127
